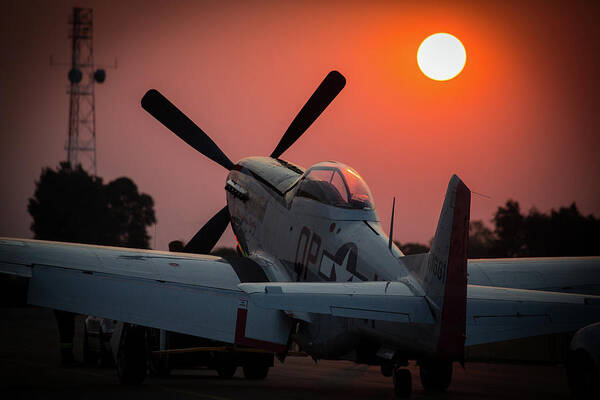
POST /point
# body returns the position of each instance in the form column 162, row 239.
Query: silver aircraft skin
column 316, row 269
column 560, row 274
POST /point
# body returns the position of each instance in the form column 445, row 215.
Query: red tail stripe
column 451, row 343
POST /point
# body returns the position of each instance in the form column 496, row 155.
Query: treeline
column 70, row 205
column 558, row 233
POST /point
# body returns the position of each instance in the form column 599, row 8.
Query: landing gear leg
column 132, row 357
column 402, row 382
column 436, row 375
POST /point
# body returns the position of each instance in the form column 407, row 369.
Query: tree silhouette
column 72, row 206
column 412, row 248
column 510, row 229
column 482, row 241
column 563, row 232
column 129, row 213
column 560, row 233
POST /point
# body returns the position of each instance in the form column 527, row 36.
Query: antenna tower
column 81, row 144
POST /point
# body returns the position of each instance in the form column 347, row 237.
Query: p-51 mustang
column 316, row 269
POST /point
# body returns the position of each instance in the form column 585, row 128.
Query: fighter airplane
column 315, row 269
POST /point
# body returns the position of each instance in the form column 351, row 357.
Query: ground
column 29, row 369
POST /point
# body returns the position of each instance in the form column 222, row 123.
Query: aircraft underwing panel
column 499, row 314
column 199, row 311
column 191, row 294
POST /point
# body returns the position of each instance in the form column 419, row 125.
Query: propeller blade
column 171, row 117
column 333, row 84
column 209, row 234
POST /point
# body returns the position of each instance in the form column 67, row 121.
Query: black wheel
column 256, row 371
column 160, row 367
column 132, row 356
column 402, row 383
column 582, row 375
column 436, row 375
column 387, row 370
column 227, row 370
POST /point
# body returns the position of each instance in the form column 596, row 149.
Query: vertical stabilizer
column 446, row 281
column 443, row 271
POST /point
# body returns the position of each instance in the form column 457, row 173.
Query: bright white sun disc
column 441, row 56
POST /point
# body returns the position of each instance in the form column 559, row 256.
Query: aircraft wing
column 498, row 314
column 228, row 299
column 186, row 293
column 561, row 274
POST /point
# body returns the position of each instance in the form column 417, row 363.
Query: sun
column 441, row 56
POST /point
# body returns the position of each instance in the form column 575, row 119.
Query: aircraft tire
column 132, row 356
column 159, row 367
column 387, row 370
column 255, row 371
column 582, row 375
column 436, row 375
column 402, row 383
column 226, row 370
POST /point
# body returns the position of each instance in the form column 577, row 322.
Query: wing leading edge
column 560, row 274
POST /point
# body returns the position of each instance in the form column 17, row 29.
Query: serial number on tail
column 436, row 268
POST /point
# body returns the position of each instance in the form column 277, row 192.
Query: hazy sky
column 521, row 121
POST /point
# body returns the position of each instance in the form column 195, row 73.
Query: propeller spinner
column 170, row 116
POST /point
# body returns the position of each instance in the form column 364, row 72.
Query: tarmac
column 29, row 369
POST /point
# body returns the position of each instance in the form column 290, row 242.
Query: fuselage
column 319, row 224
column 295, row 218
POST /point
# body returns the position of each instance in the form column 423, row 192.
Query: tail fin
column 447, row 263
column 442, row 272
column 446, row 275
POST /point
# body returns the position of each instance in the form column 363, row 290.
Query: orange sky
column 519, row 122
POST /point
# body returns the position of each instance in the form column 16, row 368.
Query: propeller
column 170, row 116
column 333, row 84
column 209, row 234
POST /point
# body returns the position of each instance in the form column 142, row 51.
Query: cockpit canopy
column 335, row 184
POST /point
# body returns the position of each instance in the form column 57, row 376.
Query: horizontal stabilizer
column 384, row 301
